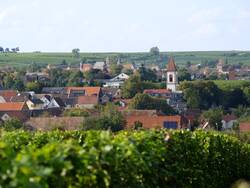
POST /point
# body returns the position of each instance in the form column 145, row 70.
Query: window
column 170, row 78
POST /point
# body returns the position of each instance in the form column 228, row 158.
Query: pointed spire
column 171, row 65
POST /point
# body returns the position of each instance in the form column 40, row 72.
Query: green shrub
column 124, row 159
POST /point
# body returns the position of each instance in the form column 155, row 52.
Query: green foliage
column 184, row 75
column 147, row 74
column 155, row 51
column 76, row 52
column 33, row 86
column 201, row 94
column 75, row 79
column 12, row 125
column 146, row 102
column 126, row 159
column 132, row 86
column 214, row 117
column 109, row 119
column 205, row 94
column 115, row 69
column 76, row 112
column 25, row 59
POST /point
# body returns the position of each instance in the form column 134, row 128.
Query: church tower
column 172, row 75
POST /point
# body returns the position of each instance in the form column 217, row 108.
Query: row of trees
column 207, row 94
column 7, row 50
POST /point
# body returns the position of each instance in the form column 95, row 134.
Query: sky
column 125, row 25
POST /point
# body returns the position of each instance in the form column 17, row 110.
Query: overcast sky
column 125, row 25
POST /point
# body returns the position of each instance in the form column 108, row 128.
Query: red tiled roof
column 156, row 91
column 8, row 94
column 171, row 65
column 245, row 127
column 86, row 67
column 150, row 119
column 89, row 90
column 229, row 117
column 87, row 100
column 12, row 106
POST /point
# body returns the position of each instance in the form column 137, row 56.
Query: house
column 85, row 67
column 88, row 102
column 78, row 96
column 228, row 121
column 17, row 110
column 101, row 65
column 111, row 93
column 36, row 76
column 150, row 119
column 50, row 102
column 22, row 97
column 35, row 104
column 120, row 77
column 244, row 126
column 6, row 95
column 117, row 81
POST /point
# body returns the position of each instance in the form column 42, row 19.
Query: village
column 66, row 107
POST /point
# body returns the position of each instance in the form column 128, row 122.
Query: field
column 24, row 59
column 155, row 158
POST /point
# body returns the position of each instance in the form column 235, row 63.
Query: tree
column 184, row 75
column 115, row 69
column 132, row 86
column 110, row 118
column 7, row 50
column 12, row 124
column 201, row 94
column 246, row 92
column 17, row 49
column 18, row 85
column 76, row 52
column 33, row 86
column 146, row 102
column 155, row 51
column 188, row 64
column 75, row 79
column 147, row 74
column 13, row 50
column 1, row 49
column 214, row 117
column 8, row 81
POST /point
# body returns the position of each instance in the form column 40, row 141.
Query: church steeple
column 172, row 75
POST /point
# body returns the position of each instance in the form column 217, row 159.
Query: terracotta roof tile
column 12, row 106
column 89, row 90
column 245, row 127
column 87, row 100
column 229, row 117
column 150, row 119
column 157, row 91
column 8, row 94
column 171, row 65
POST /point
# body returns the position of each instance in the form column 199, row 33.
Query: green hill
column 24, row 59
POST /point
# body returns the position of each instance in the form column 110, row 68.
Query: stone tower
column 172, row 75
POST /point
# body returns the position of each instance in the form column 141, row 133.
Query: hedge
column 155, row 158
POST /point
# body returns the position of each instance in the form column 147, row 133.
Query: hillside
column 24, row 59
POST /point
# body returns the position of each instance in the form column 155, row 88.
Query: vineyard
column 125, row 159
